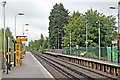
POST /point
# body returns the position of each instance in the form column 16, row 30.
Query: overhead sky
column 36, row 13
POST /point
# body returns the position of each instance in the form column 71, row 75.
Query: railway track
column 71, row 71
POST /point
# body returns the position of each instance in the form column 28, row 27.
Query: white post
column 86, row 36
column 70, row 42
column 23, row 31
column 15, row 26
column 4, row 60
column 16, row 20
column 99, row 41
column 58, row 39
column 118, row 17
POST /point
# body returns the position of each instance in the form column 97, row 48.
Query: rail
column 103, row 66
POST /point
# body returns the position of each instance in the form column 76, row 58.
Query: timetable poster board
column 109, row 53
column 114, row 54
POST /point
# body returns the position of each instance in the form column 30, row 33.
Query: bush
column 91, row 55
column 41, row 50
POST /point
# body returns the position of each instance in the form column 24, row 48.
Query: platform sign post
column 8, row 55
column 118, row 49
column 18, row 50
column 112, row 52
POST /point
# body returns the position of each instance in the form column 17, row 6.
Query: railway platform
column 30, row 68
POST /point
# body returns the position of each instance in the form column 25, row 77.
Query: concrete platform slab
column 31, row 68
column 1, row 74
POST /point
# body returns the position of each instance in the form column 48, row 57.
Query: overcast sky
column 36, row 13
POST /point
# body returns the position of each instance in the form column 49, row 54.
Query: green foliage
column 77, row 27
column 76, row 53
column 7, row 34
column 81, row 53
column 40, row 44
column 57, row 19
column 91, row 55
column 41, row 49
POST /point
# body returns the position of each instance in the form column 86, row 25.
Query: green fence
column 92, row 52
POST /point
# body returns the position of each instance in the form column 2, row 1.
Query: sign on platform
column 114, row 54
column 21, row 39
column 109, row 53
column 114, row 42
column 77, row 46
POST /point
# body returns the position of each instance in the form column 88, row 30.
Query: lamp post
column 15, row 36
column 24, row 43
column 99, row 41
column 58, row 38
column 24, row 30
column 3, row 4
column 118, row 26
column 99, row 38
column 86, row 38
column 16, row 20
column 70, row 41
column 118, row 15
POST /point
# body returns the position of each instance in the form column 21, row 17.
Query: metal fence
column 92, row 52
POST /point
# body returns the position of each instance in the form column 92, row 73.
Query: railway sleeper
column 101, row 67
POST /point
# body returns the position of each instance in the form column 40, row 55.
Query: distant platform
column 31, row 68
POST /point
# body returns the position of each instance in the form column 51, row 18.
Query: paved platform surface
column 1, row 74
column 30, row 68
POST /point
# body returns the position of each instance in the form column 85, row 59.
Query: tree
column 77, row 25
column 40, row 44
column 57, row 19
column 42, row 41
column 76, row 28
column 8, row 34
column 46, row 43
column 31, row 44
column 107, row 28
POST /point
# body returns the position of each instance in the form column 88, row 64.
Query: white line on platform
column 42, row 66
